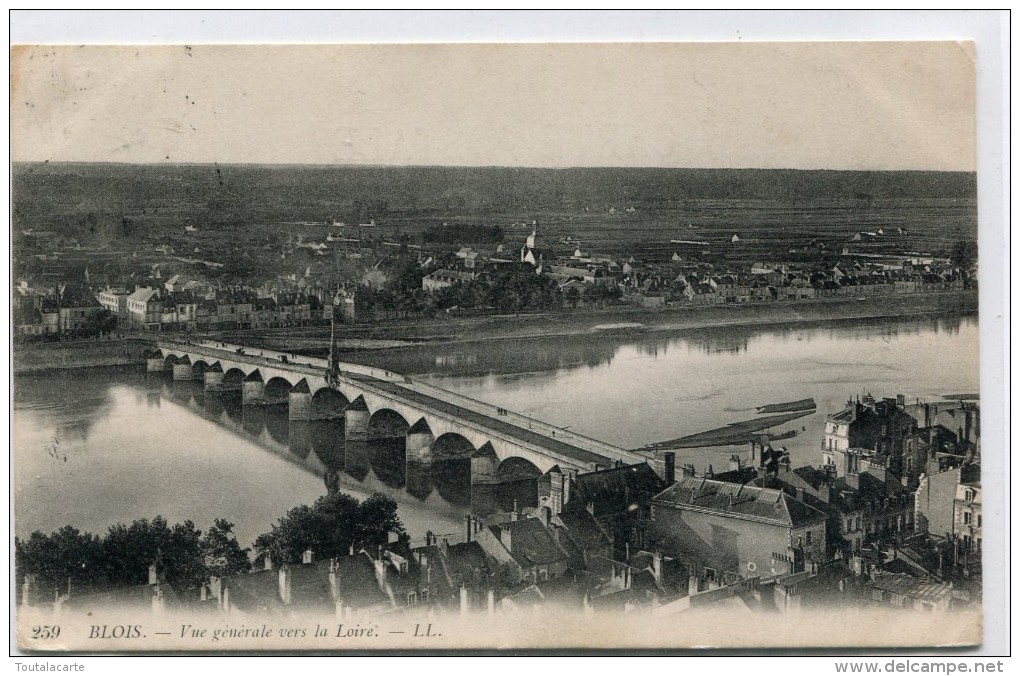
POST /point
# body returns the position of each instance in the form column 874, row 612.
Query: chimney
column 504, row 536
column 734, row 463
column 307, row 556
column 568, row 483
column 688, row 470
column 515, row 514
column 351, row 552
column 284, row 579
column 901, row 400
column 334, row 580
column 670, row 458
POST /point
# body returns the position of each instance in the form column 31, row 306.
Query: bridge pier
column 154, row 362
column 299, row 402
column 356, row 420
column 253, row 390
column 182, row 370
column 212, row 379
column 484, row 465
column 419, row 443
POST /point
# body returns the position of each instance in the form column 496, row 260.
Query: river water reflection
column 102, row 446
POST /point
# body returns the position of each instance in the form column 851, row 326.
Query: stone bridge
column 377, row 404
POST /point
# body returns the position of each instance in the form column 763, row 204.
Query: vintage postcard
column 496, row 346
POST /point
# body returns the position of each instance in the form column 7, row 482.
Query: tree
column 330, row 527
column 964, row 254
column 66, row 554
column 100, row 323
column 128, row 551
column 221, row 554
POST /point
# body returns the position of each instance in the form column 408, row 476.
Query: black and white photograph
column 450, row 346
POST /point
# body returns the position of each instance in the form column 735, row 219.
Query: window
column 807, row 538
column 412, row 599
column 966, row 518
column 424, row 594
column 979, row 521
column 710, row 574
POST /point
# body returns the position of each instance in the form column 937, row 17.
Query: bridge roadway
column 555, row 445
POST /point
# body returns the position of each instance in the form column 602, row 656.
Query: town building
column 726, row 531
column 145, row 309
column 443, row 279
column 875, row 433
column 114, row 299
column 967, row 516
column 526, row 547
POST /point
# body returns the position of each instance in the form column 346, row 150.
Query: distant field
column 246, row 210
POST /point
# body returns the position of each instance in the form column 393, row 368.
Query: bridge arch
column 516, row 468
column 327, row 401
column 387, row 423
column 277, row 390
column 169, row 360
column 233, row 377
column 199, row 367
column 452, row 446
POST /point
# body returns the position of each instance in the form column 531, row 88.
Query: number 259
column 46, row 631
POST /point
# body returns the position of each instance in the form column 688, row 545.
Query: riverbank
column 614, row 320
column 35, row 357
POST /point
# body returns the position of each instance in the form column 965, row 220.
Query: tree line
column 185, row 557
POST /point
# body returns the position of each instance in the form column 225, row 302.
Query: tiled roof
column 143, row 295
column 531, row 543
column 583, row 530
column 915, row 588
column 613, row 490
column 766, row 505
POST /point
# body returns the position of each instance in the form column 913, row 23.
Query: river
column 95, row 447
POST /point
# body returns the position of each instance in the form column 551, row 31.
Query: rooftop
column 766, row 505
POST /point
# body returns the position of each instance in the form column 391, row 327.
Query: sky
column 823, row 105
